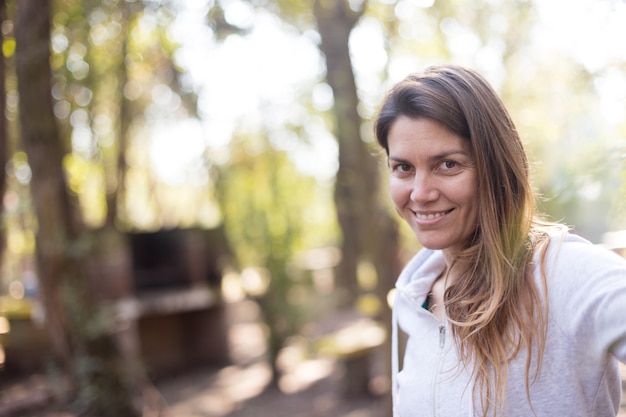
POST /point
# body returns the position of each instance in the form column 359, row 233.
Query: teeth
column 429, row 216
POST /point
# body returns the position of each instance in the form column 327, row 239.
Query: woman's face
column 433, row 183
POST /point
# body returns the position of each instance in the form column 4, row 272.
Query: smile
column 431, row 216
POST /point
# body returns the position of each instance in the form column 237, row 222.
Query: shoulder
column 569, row 253
column 581, row 275
column 587, row 294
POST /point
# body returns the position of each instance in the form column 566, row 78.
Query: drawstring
column 394, row 356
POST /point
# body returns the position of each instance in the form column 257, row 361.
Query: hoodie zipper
column 442, row 336
column 442, row 343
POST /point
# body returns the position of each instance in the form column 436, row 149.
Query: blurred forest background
column 166, row 159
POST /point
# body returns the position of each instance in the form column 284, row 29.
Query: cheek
column 398, row 193
column 469, row 193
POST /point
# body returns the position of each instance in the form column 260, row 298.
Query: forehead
column 423, row 136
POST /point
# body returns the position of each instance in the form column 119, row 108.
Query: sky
column 252, row 81
column 244, row 83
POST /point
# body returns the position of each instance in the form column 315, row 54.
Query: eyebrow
column 435, row 157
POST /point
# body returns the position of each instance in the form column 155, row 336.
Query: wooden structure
column 164, row 288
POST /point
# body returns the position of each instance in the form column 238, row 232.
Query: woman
column 506, row 314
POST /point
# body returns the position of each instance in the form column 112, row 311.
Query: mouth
column 431, row 215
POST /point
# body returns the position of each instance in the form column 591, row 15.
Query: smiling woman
column 474, row 302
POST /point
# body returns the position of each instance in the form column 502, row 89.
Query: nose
column 424, row 189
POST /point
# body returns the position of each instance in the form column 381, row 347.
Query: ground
column 225, row 393
column 312, row 387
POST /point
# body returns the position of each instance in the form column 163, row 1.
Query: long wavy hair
column 495, row 308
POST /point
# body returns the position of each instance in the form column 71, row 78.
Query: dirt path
column 239, row 392
column 311, row 388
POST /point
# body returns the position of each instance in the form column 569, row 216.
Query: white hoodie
column 586, row 337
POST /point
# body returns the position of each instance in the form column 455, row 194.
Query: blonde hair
column 495, row 307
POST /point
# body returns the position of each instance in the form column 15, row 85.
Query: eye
column 448, row 166
column 399, row 167
column 403, row 167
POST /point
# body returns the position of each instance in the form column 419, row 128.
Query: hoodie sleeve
column 587, row 292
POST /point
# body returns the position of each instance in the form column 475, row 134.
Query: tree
column 4, row 139
column 74, row 327
column 369, row 236
column 40, row 139
column 369, row 233
column 266, row 207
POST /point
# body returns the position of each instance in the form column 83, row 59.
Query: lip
column 430, row 217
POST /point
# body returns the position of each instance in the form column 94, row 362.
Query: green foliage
column 271, row 212
column 108, row 60
column 553, row 95
column 575, row 166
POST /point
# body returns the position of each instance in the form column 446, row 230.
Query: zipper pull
column 442, row 335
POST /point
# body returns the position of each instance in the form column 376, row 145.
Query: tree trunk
column 41, row 142
column 116, row 187
column 369, row 232
column 335, row 22
column 81, row 343
column 4, row 134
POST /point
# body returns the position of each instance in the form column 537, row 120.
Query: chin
column 435, row 242
column 432, row 245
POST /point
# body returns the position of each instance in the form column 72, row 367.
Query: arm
column 587, row 287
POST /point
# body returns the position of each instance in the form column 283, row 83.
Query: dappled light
column 244, row 385
column 302, row 375
column 195, row 206
column 222, row 393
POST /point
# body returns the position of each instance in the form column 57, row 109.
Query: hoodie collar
column 421, row 271
column 415, row 281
